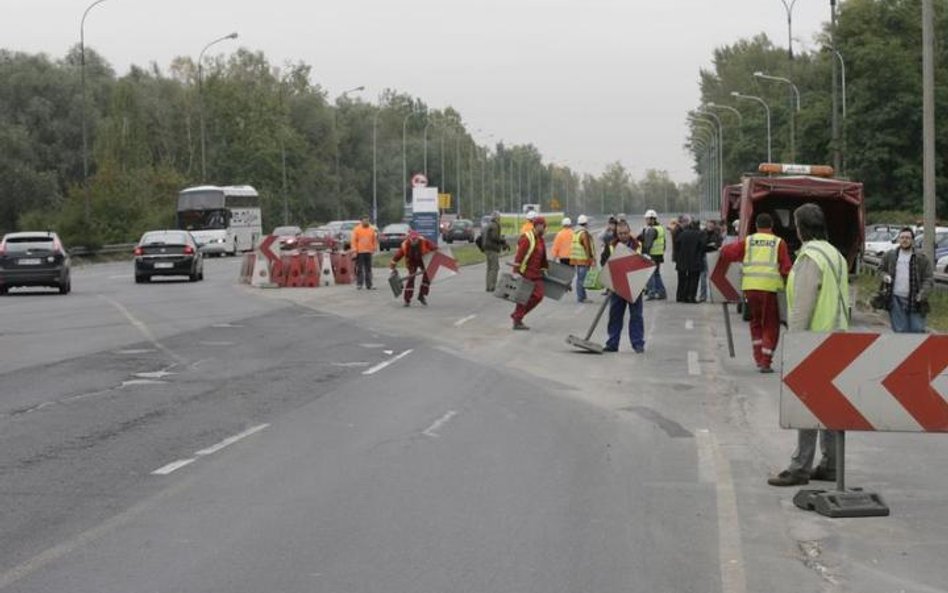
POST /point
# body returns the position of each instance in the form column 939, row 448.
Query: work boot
column 422, row 300
column 823, row 474
column 407, row 304
column 789, row 478
column 765, row 369
column 519, row 325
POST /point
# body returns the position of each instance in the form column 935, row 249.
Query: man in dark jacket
column 493, row 243
column 713, row 244
column 908, row 275
column 689, row 249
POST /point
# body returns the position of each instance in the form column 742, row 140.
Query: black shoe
column 519, row 325
column 765, row 369
column 823, row 474
column 639, row 350
column 610, row 349
column 407, row 304
column 789, row 478
column 423, row 301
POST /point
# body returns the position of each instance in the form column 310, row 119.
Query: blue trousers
column 581, row 272
column 902, row 320
column 703, row 279
column 617, row 307
column 655, row 287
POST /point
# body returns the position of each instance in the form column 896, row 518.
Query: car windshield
column 317, row 233
column 879, row 235
column 349, row 225
column 396, row 229
column 34, row 243
column 164, row 238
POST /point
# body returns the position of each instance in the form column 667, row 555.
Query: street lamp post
column 201, row 98
column 713, row 179
column 839, row 132
column 720, row 152
column 375, row 165
column 740, row 118
column 789, row 8
column 336, row 150
column 738, row 95
column 82, row 76
column 793, row 121
column 427, row 123
column 404, row 155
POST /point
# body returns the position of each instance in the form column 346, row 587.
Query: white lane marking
column 140, row 326
column 730, row 554
column 372, row 345
column 430, row 431
column 706, row 472
column 215, row 343
column 120, row 277
column 389, row 352
column 463, row 320
column 131, row 382
column 231, row 440
column 689, row 324
column 223, row 325
column 350, row 364
column 135, row 351
column 154, row 374
column 382, row 365
column 693, row 367
column 174, row 465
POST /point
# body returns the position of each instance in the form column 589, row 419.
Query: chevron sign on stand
column 865, row 381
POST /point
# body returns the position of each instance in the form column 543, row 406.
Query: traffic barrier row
column 307, row 269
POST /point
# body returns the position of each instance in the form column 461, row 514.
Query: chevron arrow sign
column 865, row 381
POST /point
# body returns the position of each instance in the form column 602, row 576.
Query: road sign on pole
column 725, row 279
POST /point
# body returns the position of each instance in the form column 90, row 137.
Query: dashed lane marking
column 174, row 465
column 463, row 320
column 430, row 431
column 141, row 327
column 689, row 324
column 231, row 440
column 694, row 368
column 384, row 364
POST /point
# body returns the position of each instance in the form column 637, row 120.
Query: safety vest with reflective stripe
column 831, row 311
column 577, row 252
column 658, row 245
column 532, row 238
column 761, row 266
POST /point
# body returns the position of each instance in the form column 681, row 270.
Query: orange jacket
column 413, row 257
column 364, row 239
column 562, row 244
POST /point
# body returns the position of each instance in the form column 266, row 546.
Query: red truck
column 791, row 187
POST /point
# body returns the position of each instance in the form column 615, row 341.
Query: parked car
column 461, row 229
column 393, row 235
column 320, row 238
column 34, row 258
column 942, row 264
column 880, row 239
column 287, row 236
column 342, row 231
column 168, row 253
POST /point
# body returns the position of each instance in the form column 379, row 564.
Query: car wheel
column 65, row 287
column 140, row 278
column 449, row 240
column 3, row 290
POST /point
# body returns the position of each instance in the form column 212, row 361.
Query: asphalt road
column 212, row 437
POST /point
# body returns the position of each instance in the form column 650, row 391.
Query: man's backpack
column 479, row 241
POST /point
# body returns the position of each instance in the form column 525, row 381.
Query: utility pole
column 928, row 127
column 836, row 153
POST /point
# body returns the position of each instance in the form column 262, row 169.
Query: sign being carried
column 626, row 273
column 725, row 279
column 419, row 180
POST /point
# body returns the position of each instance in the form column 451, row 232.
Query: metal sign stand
column 584, row 343
column 397, row 283
column 727, row 328
column 841, row 502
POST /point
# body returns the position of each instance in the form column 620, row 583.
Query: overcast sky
column 586, row 81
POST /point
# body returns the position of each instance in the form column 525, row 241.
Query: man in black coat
column 690, row 244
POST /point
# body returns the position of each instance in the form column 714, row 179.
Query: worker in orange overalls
column 413, row 249
column 563, row 242
column 365, row 242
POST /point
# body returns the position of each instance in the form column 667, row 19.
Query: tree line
column 880, row 139
column 311, row 156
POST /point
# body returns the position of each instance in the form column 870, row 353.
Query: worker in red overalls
column 530, row 262
column 766, row 262
column 413, row 249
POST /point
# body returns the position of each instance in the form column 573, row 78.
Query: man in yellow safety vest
column 653, row 243
column 817, row 293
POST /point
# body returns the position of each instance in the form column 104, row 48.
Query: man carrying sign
column 618, row 305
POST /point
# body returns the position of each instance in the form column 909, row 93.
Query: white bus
column 222, row 219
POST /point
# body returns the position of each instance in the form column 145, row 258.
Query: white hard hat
column 651, row 214
column 567, row 221
column 583, row 219
column 531, row 214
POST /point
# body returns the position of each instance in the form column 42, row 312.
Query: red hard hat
column 539, row 220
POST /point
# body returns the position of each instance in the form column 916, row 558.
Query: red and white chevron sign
column 865, row 381
column 626, row 273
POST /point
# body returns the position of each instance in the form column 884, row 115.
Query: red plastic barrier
column 343, row 267
column 311, row 269
column 294, row 269
column 278, row 271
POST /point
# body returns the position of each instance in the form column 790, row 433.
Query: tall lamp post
column 839, row 132
column 404, row 153
column 738, row 95
column 82, row 76
column 201, row 97
column 789, row 8
column 740, row 118
column 793, row 121
column 335, row 139
column 717, row 120
column 427, row 123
